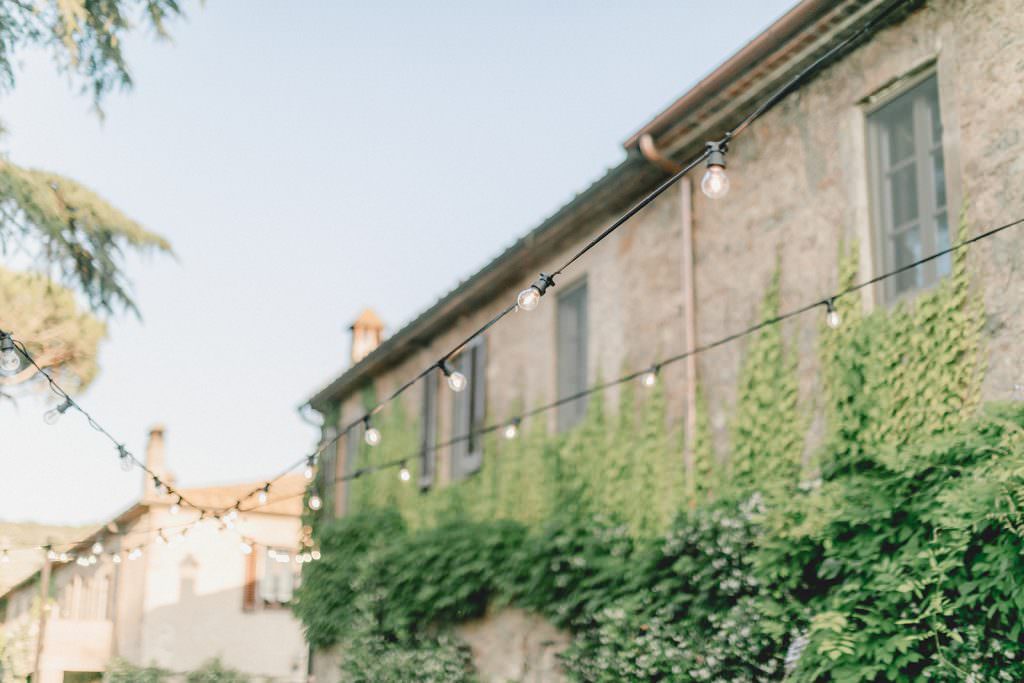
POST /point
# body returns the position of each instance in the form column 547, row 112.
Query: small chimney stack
column 367, row 334
column 155, row 461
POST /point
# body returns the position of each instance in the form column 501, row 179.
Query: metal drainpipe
column 651, row 152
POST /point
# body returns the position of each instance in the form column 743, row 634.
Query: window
column 277, row 582
column 909, row 187
column 468, row 411
column 428, row 456
column 572, row 354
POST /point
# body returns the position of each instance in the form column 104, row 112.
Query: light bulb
column 528, row 299
column 64, row 557
column 457, row 381
column 307, row 557
column 315, row 554
column 51, row 555
column 315, row 503
column 52, row 415
column 511, row 431
column 308, row 472
column 176, row 506
column 715, row 183
column 92, row 559
column 232, row 514
column 161, row 539
column 832, row 318
column 116, row 558
column 261, row 497
column 135, row 554
column 9, row 360
column 245, row 547
column 649, row 378
column 404, row 474
column 97, row 548
column 5, row 558
column 372, row 436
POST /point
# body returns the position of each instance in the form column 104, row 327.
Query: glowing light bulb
column 97, row 548
column 715, row 183
column 232, row 515
column 511, row 430
column 9, row 359
column 649, row 378
column 457, row 381
column 372, row 436
column 245, row 547
column 307, row 557
column 315, row 503
column 51, row 555
column 135, row 554
column 116, row 558
column 308, row 472
column 261, row 497
column 5, row 558
column 176, row 506
column 404, row 474
column 52, row 415
column 315, row 554
column 64, row 557
column 528, row 299
column 832, row 317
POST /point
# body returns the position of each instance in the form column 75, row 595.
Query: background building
column 189, row 594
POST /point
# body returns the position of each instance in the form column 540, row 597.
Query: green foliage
column 214, row 671
column 330, row 586
column 57, row 333
column 371, row 658
column 442, row 575
column 73, row 231
column 84, row 37
column 123, row 671
column 767, row 426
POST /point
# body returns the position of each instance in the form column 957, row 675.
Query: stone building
column 882, row 149
column 152, row 595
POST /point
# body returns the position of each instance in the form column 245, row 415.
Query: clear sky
column 307, row 160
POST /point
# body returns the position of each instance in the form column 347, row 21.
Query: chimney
column 367, row 334
column 155, row 461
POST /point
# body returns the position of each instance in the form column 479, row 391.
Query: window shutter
column 478, row 406
column 572, row 354
column 249, row 588
column 428, row 456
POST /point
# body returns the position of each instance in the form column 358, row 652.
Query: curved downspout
column 651, row 152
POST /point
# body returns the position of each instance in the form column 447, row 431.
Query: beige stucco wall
column 194, row 596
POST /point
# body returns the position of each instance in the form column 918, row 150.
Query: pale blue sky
column 307, row 160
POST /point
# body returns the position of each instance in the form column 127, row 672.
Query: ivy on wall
column 901, row 562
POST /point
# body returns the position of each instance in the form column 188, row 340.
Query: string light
column 5, row 557
column 54, row 414
column 116, row 558
column 456, row 380
column 715, row 183
column 832, row 318
column 10, row 362
column 529, row 298
column 315, row 503
column 315, row 555
column 135, row 554
column 372, row 435
column 261, row 497
column 245, row 547
column 97, row 548
column 161, row 488
column 650, row 378
column 308, row 472
column 64, row 557
column 404, row 473
column 176, row 506
column 511, row 430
